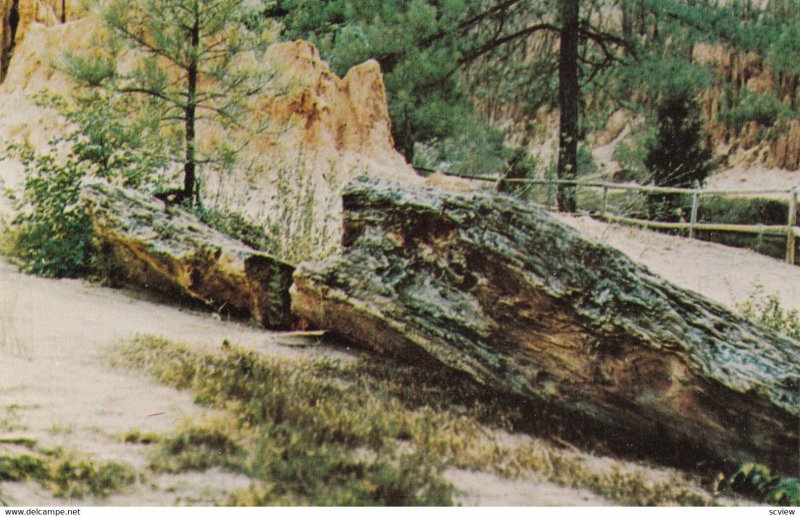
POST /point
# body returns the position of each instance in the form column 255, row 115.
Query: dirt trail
column 725, row 274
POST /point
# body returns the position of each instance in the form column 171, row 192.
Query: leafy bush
column 52, row 234
column 742, row 210
column 112, row 148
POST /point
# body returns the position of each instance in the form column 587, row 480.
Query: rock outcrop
column 16, row 16
column 325, row 130
column 499, row 290
column 346, row 114
column 140, row 243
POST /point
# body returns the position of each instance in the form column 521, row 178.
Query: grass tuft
column 67, row 477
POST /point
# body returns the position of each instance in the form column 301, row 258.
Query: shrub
column 756, row 480
column 52, row 234
column 767, row 310
column 112, row 148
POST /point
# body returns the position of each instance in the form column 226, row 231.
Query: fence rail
column 791, row 230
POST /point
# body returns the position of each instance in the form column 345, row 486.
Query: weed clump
column 757, row 481
column 137, row 437
column 768, row 310
column 197, row 448
column 67, row 477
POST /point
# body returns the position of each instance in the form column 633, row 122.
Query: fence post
column 792, row 222
column 693, row 220
column 605, row 202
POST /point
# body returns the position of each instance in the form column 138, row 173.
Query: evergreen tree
column 185, row 69
column 419, row 45
column 677, row 156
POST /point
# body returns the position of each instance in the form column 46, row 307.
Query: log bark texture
column 140, row 242
column 498, row 289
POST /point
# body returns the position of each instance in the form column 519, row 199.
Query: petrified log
column 139, row 242
column 499, row 290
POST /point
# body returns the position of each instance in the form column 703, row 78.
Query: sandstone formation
column 139, row 243
column 499, row 290
column 347, row 113
column 325, row 130
column 18, row 17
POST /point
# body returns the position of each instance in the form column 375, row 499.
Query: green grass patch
column 309, row 435
column 367, row 432
column 138, row 437
column 65, row 476
column 198, row 448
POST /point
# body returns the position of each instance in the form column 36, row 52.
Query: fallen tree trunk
column 501, row 291
column 140, row 242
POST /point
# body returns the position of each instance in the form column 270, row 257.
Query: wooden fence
column 791, row 230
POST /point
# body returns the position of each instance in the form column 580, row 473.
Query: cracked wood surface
column 501, row 291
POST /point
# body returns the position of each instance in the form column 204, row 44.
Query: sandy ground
column 724, row 274
column 57, row 386
column 740, row 178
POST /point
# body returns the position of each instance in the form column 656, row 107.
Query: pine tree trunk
column 569, row 95
column 190, row 116
column 627, row 22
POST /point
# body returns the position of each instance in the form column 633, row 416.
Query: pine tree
column 677, row 156
column 185, row 70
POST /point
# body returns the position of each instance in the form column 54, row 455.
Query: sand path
column 724, row 274
column 57, row 385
